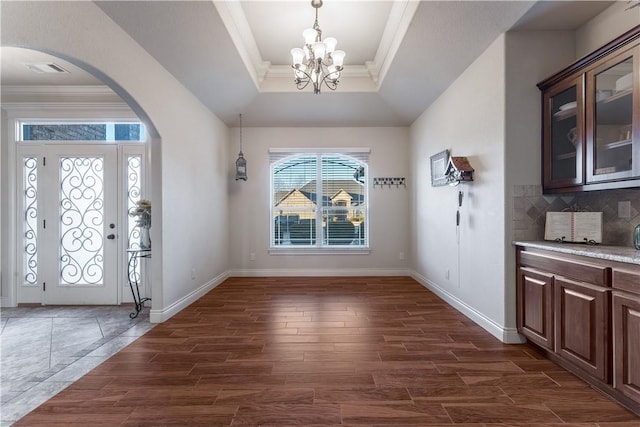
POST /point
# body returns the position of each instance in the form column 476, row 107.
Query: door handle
column 111, row 236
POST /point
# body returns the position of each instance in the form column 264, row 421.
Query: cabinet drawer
column 584, row 272
column 626, row 280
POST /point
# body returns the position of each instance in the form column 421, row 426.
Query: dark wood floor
column 326, row 351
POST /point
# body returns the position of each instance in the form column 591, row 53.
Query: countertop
column 611, row 253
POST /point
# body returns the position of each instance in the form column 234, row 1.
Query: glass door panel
column 564, row 136
column 80, row 231
column 612, row 140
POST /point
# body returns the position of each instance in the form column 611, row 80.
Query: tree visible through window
column 319, row 200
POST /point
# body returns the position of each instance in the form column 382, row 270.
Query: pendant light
column 241, row 162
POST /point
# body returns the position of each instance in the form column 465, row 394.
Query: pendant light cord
column 240, row 133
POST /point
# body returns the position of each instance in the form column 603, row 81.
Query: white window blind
column 319, row 198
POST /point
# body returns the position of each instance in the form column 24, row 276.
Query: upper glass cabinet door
column 611, row 117
column 563, row 135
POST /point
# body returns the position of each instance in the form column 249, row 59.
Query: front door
column 78, row 249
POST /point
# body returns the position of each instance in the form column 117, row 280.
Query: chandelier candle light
column 318, row 61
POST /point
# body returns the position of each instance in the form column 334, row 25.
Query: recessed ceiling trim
column 236, row 23
column 400, row 18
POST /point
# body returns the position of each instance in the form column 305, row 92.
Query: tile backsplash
column 530, row 207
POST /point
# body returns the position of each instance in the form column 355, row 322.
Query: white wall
column 500, row 131
column 189, row 148
column 4, row 280
column 249, row 206
column 469, row 120
column 612, row 22
column 531, row 56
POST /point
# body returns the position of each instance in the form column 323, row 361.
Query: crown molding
column 237, row 25
column 66, row 106
column 84, row 90
column 398, row 23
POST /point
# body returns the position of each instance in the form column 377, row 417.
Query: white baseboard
column 4, row 302
column 339, row 272
column 506, row 335
column 159, row 316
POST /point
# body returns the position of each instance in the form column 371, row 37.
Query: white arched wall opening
column 188, row 164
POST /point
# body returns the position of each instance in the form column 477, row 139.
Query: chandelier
column 318, row 61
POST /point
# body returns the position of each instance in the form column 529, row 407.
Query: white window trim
column 277, row 154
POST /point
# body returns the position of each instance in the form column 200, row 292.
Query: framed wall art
column 438, row 167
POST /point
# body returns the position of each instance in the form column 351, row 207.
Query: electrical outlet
column 252, row 256
column 624, row 209
column 446, row 274
column 401, row 255
column 193, row 274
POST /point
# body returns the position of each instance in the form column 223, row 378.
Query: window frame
column 109, row 124
column 277, row 156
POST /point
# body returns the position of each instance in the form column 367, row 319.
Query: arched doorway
column 72, row 177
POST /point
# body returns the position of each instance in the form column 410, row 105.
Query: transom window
column 87, row 131
column 319, row 200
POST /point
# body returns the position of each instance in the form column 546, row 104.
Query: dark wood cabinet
column 535, row 299
column 563, row 306
column 591, row 120
column 581, row 326
column 626, row 344
column 584, row 313
column 626, row 332
column 564, row 134
column 612, row 108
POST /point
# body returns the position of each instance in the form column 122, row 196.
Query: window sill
column 320, row 251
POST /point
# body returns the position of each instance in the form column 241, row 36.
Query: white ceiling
column 234, row 55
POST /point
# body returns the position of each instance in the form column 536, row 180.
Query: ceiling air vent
column 46, row 67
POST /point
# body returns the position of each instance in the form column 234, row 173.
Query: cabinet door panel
column 612, row 141
column 535, row 306
column 581, row 312
column 626, row 342
column 563, row 135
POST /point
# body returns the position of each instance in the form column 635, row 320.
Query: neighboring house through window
column 319, row 199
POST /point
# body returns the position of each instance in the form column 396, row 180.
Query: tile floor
column 45, row 349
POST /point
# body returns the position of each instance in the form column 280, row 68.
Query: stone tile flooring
column 44, row 349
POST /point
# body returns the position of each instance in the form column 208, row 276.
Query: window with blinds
column 319, row 199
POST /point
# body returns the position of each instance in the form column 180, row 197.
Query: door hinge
column 44, row 161
column 44, row 223
column 44, row 286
